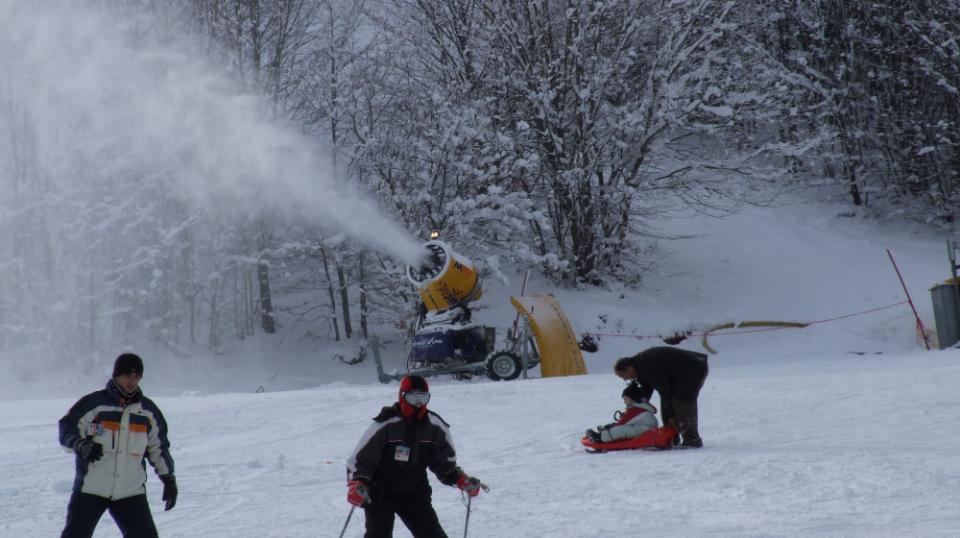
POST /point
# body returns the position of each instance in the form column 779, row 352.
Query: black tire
column 503, row 366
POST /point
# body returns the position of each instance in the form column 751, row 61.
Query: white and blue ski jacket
column 131, row 430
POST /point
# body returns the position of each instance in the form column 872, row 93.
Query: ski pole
column 466, row 525
column 352, row 508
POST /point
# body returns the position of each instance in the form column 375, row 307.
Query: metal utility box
column 946, row 305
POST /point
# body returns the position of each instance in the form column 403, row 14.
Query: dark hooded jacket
column 394, row 453
column 672, row 372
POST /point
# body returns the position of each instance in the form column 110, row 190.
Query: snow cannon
column 444, row 278
column 446, row 340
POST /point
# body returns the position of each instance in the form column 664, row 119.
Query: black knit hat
column 634, row 392
column 127, row 363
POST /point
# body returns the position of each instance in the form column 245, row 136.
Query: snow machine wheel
column 503, row 366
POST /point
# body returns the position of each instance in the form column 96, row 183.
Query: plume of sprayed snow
column 101, row 94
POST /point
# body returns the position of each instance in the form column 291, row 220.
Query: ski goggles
column 416, row 398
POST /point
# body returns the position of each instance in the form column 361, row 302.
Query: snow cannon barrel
column 444, row 278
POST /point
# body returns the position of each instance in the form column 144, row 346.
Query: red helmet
column 414, row 396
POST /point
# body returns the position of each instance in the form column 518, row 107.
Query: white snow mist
column 103, row 97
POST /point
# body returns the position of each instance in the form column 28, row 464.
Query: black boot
column 668, row 412
column 671, row 422
column 594, row 436
column 687, row 423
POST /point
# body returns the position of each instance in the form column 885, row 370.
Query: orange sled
column 655, row 439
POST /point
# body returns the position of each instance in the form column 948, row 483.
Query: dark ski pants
column 132, row 515
column 417, row 514
column 682, row 406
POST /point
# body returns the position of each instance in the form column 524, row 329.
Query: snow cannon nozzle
column 444, row 278
column 430, row 263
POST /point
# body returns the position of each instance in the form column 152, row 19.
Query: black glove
column 169, row 491
column 588, row 344
column 88, row 450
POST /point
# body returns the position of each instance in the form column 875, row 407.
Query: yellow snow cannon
column 447, row 341
column 445, row 278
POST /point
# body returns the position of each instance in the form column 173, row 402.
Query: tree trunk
column 256, row 40
column 363, row 301
column 250, row 299
column 333, row 301
column 213, row 339
column 238, row 294
column 193, row 317
column 266, row 304
column 344, row 301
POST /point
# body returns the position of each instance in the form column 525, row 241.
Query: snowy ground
column 846, row 428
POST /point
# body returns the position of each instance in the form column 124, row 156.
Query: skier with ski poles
column 677, row 375
column 112, row 432
column 386, row 474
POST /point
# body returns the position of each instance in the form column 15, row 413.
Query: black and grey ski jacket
column 130, row 431
column 394, row 453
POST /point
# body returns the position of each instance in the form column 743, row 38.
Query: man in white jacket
column 112, row 433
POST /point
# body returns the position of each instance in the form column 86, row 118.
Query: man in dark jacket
column 677, row 375
column 112, row 432
column 386, row 474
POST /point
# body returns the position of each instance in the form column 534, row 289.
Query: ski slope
column 846, row 428
column 845, row 446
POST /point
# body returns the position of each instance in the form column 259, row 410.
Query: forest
column 179, row 172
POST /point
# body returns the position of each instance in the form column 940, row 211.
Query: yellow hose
column 744, row 324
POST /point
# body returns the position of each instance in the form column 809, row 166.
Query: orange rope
column 859, row 313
